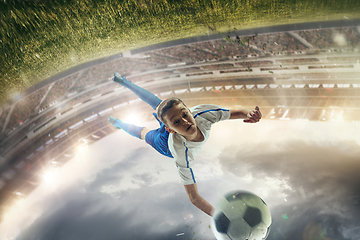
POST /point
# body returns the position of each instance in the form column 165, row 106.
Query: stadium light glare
column 17, row 96
column 19, row 202
column 6, row 215
column 285, row 114
column 15, row 209
column 81, row 149
column 82, row 146
column 49, row 175
column 133, row 119
column 332, row 114
column 341, row 115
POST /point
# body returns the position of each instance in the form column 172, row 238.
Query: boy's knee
column 143, row 133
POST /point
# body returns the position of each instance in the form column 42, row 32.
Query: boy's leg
column 157, row 138
column 143, row 133
column 131, row 129
column 143, row 94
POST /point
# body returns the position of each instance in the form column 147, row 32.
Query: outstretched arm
column 197, row 200
column 250, row 116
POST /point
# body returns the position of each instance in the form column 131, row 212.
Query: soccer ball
column 241, row 215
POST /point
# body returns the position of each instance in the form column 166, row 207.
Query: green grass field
column 42, row 38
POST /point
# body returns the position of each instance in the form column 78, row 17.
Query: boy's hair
column 166, row 105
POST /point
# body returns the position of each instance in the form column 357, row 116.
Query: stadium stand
column 72, row 90
column 299, row 61
column 188, row 70
column 58, row 91
column 351, row 36
column 22, row 112
column 277, row 43
column 88, row 95
column 18, row 137
column 218, row 66
column 44, row 117
column 159, row 58
column 253, row 63
column 3, row 117
column 151, row 76
column 198, row 54
column 319, row 38
column 226, row 49
column 343, row 59
column 127, row 66
column 210, row 49
column 80, row 83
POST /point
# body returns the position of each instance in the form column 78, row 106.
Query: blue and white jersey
column 184, row 151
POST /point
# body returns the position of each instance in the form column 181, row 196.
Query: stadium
column 302, row 72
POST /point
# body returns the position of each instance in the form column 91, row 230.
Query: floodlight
column 81, row 149
column 48, row 177
column 133, row 119
column 19, row 202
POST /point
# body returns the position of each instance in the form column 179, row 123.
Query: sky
column 120, row 188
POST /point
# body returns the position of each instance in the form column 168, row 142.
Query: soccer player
column 182, row 132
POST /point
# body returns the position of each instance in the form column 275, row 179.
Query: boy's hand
column 253, row 116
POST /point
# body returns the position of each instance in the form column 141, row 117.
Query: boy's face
column 179, row 119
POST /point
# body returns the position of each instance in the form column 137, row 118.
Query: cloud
column 320, row 179
column 124, row 189
column 147, row 213
column 136, row 194
column 305, row 222
column 115, row 172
